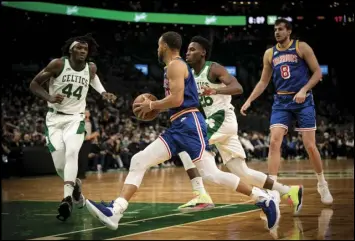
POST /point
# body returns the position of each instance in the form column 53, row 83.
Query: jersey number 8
column 285, row 71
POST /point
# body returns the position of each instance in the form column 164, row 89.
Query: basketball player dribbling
column 187, row 133
column 287, row 63
column 69, row 80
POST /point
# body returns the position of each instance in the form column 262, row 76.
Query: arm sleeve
column 96, row 84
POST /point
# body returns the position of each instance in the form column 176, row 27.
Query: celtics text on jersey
column 74, row 85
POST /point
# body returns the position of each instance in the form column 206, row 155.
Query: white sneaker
column 324, row 192
column 104, row 213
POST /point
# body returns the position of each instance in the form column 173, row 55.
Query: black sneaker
column 78, row 197
column 65, row 209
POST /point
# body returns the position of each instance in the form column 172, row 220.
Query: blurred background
column 127, row 33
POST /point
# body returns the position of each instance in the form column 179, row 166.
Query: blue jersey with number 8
column 290, row 71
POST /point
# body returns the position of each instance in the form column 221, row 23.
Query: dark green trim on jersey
column 216, row 81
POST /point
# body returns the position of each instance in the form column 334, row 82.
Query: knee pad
column 247, row 175
column 238, row 167
column 139, row 164
column 142, row 161
column 224, row 178
column 210, row 172
column 186, row 160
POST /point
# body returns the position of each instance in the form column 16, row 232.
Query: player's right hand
column 244, row 108
column 57, row 98
column 109, row 97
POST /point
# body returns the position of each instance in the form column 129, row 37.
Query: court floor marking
column 295, row 171
column 178, row 225
column 135, row 221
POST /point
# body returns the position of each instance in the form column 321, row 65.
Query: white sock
column 321, row 179
column 197, row 185
column 257, row 194
column 273, row 177
column 120, row 205
column 68, row 190
column 282, row 189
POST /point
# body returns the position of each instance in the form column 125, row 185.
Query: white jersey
column 213, row 103
column 74, row 85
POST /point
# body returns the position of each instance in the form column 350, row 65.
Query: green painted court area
column 34, row 220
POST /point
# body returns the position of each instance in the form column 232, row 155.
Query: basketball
column 150, row 115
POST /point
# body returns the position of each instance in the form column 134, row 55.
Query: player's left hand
column 208, row 91
column 109, row 97
column 142, row 108
column 300, row 97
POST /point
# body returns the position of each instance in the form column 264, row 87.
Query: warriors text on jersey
column 74, row 85
column 212, row 103
column 190, row 92
column 290, row 71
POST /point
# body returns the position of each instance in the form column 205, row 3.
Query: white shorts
column 60, row 128
column 222, row 131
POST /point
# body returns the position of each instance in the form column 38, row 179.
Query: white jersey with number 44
column 74, row 85
column 213, row 103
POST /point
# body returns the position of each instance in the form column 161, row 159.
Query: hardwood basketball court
column 29, row 208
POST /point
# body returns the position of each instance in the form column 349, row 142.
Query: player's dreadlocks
column 82, row 39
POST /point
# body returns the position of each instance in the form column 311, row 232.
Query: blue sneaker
column 271, row 208
column 104, row 212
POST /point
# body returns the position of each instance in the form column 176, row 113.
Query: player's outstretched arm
column 96, row 84
column 263, row 83
column 233, row 87
column 52, row 70
column 176, row 73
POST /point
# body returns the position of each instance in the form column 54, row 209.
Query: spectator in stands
column 291, row 147
column 259, row 147
column 110, row 154
column 247, row 145
column 27, row 140
column 324, row 146
column 90, row 145
column 301, row 151
column 350, row 146
column 15, row 155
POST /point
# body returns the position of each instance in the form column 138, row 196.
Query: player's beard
column 161, row 58
column 283, row 40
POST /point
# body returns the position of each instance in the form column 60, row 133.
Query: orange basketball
column 150, row 115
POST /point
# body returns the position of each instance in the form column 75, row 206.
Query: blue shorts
column 188, row 132
column 285, row 110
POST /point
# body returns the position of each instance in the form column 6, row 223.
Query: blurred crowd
column 114, row 134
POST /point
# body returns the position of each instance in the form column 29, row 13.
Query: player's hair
column 286, row 22
column 206, row 45
column 172, row 39
column 92, row 44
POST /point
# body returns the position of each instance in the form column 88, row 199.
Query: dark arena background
column 127, row 33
